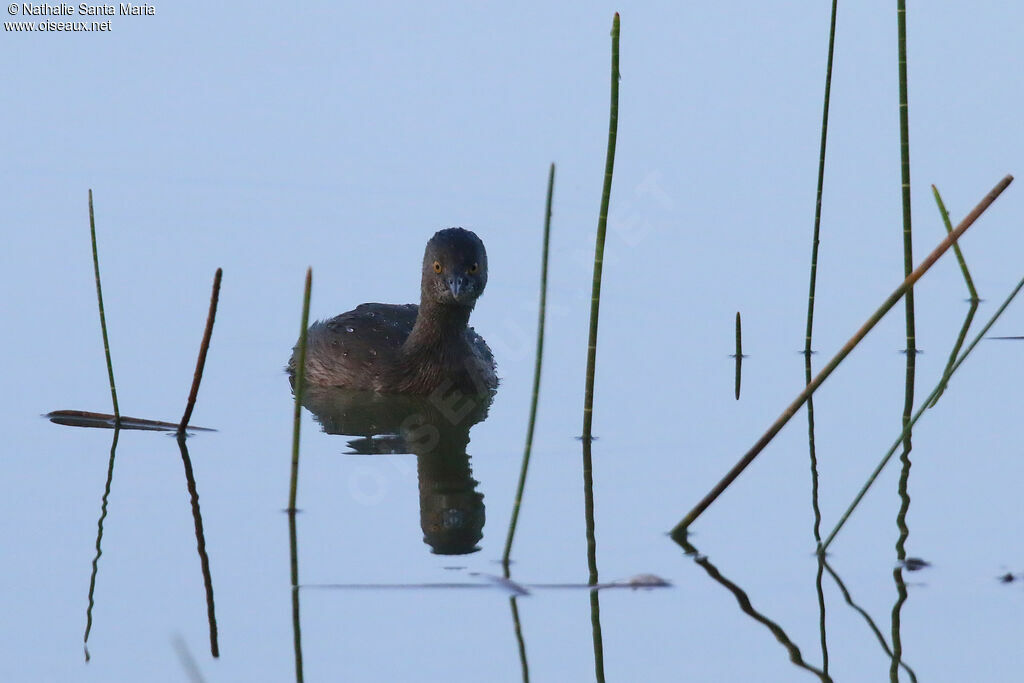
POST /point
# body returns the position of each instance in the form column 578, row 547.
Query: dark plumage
column 407, row 348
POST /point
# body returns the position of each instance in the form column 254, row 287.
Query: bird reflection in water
column 436, row 429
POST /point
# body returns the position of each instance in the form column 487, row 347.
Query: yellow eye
column 473, row 268
column 437, row 266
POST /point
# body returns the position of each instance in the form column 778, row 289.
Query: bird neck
column 438, row 325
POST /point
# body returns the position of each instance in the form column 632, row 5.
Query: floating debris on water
column 913, row 564
column 83, row 418
column 646, row 581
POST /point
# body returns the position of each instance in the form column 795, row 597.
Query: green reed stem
column 917, row 415
column 536, row 374
column 204, row 346
column 103, row 317
column 588, row 398
column 815, row 240
column 293, row 545
column 300, row 380
column 821, row 179
column 956, row 247
column 908, row 258
column 602, row 225
column 680, row 530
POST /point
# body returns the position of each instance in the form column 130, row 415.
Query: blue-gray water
column 268, row 140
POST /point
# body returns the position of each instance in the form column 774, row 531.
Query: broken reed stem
column 300, row 380
column 739, row 337
column 103, row 317
column 602, row 225
column 536, row 374
column 680, row 530
column 920, row 411
column 956, row 247
column 739, row 354
column 821, row 180
column 204, row 346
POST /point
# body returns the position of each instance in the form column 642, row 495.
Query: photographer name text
column 124, row 9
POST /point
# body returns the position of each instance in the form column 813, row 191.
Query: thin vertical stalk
column 588, row 398
column 204, row 346
column 908, row 257
column 739, row 354
column 300, row 381
column 103, row 317
column 536, row 374
column 821, row 180
column 293, row 543
column 602, row 226
column 588, row 410
column 815, row 241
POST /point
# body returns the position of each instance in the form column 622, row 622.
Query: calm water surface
column 364, row 515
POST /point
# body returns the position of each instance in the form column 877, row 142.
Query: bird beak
column 457, row 285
